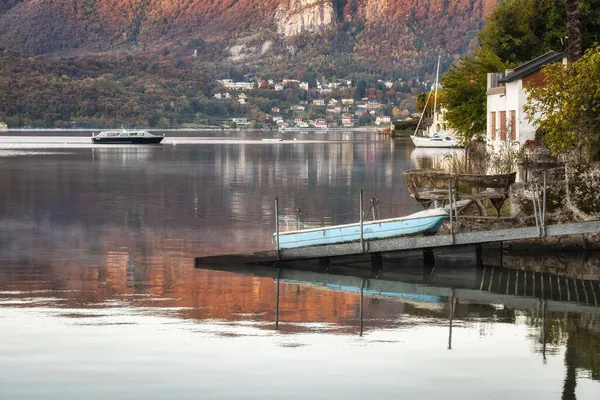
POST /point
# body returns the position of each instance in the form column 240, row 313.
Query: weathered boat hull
column 426, row 222
column 128, row 140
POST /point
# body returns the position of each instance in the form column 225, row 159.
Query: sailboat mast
column 437, row 75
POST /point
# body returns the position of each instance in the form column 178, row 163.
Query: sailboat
column 436, row 134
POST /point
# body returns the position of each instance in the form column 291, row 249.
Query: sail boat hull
column 437, row 142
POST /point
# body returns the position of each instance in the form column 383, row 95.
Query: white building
column 304, row 85
column 240, row 121
column 382, row 119
column 230, row 84
column 506, row 96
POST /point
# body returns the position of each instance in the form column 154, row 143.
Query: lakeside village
column 329, row 105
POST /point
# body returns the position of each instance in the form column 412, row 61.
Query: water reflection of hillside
column 123, row 270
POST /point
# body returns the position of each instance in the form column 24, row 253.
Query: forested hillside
column 95, row 91
column 393, row 36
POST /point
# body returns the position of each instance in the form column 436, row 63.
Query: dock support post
column 277, row 300
column 324, row 264
column 277, row 226
column 428, row 257
column 376, row 265
column 501, row 254
column 362, row 242
column 360, row 311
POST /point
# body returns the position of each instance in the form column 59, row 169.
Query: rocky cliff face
column 299, row 16
column 391, row 31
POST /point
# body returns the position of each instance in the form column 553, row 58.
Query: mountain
column 329, row 37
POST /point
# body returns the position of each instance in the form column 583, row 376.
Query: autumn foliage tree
column 567, row 108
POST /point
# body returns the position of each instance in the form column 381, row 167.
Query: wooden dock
column 377, row 248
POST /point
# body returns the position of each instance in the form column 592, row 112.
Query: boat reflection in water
column 432, row 158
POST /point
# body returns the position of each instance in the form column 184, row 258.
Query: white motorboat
column 127, row 136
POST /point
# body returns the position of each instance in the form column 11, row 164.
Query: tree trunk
column 573, row 29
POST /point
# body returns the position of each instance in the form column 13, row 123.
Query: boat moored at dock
column 426, row 222
column 125, row 136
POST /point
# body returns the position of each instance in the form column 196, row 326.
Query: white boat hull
column 439, row 142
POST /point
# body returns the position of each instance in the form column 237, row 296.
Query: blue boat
column 426, row 222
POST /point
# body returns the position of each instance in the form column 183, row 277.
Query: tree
column 510, row 31
column 567, row 108
column 574, row 29
column 465, row 93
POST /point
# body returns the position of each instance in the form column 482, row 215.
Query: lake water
column 99, row 297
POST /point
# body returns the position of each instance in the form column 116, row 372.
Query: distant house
column 347, row 121
column 382, row 119
column 347, row 101
column 319, row 102
column 320, row 123
column 275, row 109
column 218, row 96
column 304, row 85
column 332, row 102
column 240, row 121
column 230, row 84
column 297, row 108
column 506, row 96
column 278, row 86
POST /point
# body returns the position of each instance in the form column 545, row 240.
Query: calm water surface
column 99, row 298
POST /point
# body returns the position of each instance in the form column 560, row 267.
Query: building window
column 502, row 125
column 513, row 125
column 493, row 126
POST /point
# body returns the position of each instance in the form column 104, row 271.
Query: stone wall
column 575, row 197
column 583, row 191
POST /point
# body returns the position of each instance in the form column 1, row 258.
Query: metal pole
column 450, row 204
column 456, row 212
column 535, row 212
column 277, row 300
column 544, row 205
column 451, row 317
column 277, row 225
column 544, row 329
column 362, row 242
